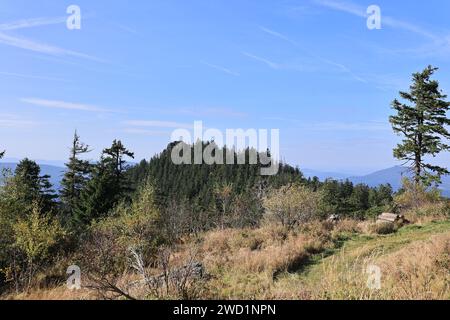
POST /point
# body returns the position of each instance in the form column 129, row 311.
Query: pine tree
column 34, row 187
column 113, row 158
column 97, row 198
column 108, row 186
column 76, row 176
column 422, row 125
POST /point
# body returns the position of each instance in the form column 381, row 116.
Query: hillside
column 314, row 263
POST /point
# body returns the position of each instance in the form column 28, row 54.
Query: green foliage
column 135, row 226
column 414, row 195
column 423, row 126
column 108, row 186
column 198, row 184
column 292, row 205
column 27, row 243
column 31, row 186
column 357, row 201
column 75, row 177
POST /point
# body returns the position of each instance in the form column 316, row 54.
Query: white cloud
column 29, row 76
column 13, row 121
column 35, row 46
column 31, row 23
column 278, row 35
column 360, row 11
column 220, row 68
column 64, row 105
column 27, row 44
column 269, row 63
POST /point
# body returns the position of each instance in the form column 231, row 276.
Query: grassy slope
column 353, row 251
column 336, row 273
column 364, row 245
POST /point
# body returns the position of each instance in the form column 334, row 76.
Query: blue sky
column 311, row 68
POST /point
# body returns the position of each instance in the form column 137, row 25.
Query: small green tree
column 32, row 186
column 35, row 235
column 423, row 126
column 292, row 205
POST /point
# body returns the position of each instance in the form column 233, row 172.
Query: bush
column 292, row 205
column 414, row 195
column 429, row 212
column 34, row 238
column 106, row 253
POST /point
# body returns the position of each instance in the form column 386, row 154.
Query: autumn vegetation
column 156, row 230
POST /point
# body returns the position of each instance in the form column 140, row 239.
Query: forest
column 156, row 230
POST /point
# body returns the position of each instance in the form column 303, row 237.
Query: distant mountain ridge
column 393, row 176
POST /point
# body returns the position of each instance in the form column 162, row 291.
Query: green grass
column 353, row 246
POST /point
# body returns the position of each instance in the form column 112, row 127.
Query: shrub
column 414, row 195
column 429, row 212
column 34, row 238
column 106, row 253
column 292, row 205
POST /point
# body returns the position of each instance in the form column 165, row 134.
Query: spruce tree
column 108, row 186
column 422, row 123
column 114, row 158
column 34, row 187
column 76, row 175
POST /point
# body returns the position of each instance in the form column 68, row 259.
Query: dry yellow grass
column 317, row 261
column 59, row 293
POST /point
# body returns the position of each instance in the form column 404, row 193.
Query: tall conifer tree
column 422, row 124
column 76, row 175
column 108, row 186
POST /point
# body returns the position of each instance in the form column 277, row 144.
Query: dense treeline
column 108, row 209
column 178, row 199
column 200, row 185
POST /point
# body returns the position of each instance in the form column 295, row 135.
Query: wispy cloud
column 220, row 68
column 31, row 23
column 36, row 46
column 278, row 35
column 39, row 47
column 13, row 121
column 344, row 69
column 64, row 105
column 29, row 76
column 360, row 11
column 157, row 124
column 339, row 66
column 267, row 62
